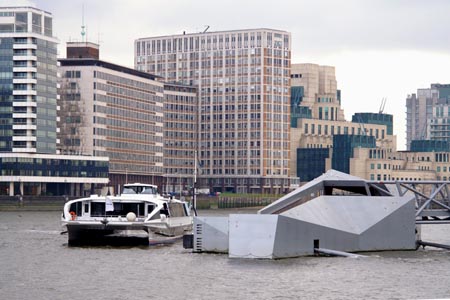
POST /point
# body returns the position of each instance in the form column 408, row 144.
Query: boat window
column 76, row 207
column 139, row 190
column 150, row 209
column 128, row 191
column 120, row 209
column 176, row 209
column 149, row 190
column 86, row 208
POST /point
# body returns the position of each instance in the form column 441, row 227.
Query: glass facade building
column 343, row 146
column 29, row 160
column 27, row 81
column 375, row 118
column 311, row 162
column 50, row 174
column 297, row 110
column 430, row 146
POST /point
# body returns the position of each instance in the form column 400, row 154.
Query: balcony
column 25, row 80
column 25, row 57
column 27, row 68
column 24, row 138
column 24, row 46
column 24, row 126
column 23, row 150
column 24, row 103
column 24, row 116
column 24, row 92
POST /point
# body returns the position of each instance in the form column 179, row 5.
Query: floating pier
column 336, row 211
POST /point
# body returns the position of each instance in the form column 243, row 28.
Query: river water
column 36, row 263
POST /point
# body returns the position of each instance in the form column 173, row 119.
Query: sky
column 380, row 48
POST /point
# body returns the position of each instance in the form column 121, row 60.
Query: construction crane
column 383, row 103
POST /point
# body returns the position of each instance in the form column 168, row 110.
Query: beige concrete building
column 320, row 90
column 113, row 111
column 180, row 136
column 381, row 164
column 314, row 89
column 319, row 139
column 243, row 82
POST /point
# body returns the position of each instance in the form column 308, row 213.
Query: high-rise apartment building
column 428, row 114
column 113, row 111
column 27, row 81
column 29, row 160
column 243, row 82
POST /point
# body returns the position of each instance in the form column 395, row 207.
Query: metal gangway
column 432, row 201
column 432, row 198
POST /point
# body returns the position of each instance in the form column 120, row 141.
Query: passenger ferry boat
column 139, row 209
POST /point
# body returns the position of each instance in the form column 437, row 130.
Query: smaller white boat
column 139, row 210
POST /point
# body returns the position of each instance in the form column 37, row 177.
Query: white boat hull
column 93, row 232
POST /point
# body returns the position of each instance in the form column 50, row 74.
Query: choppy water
column 35, row 263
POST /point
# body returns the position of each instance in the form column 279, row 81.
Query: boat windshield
column 120, row 209
column 139, row 190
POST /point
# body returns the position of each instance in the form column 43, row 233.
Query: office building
column 319, row 126
column 314, row 89
column 113, row 111
column 180, row 136
column 243, row 83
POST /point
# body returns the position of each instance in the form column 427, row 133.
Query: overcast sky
column 380, row 48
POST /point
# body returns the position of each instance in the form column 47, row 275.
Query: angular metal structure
column 334, row 211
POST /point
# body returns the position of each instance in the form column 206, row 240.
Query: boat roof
column 129, row 198
column 139, row 184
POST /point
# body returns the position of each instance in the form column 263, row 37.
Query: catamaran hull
column 82, row 233
column 97, row 234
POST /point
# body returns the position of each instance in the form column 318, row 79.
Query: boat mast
column 194, row 200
